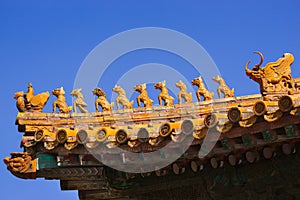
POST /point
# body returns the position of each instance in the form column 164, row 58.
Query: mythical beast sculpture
column 223, row 88
column 202, row 91
column 102, row 101
column 164, row 94
column 275, row 77
column 60, row 102
column 183, row 94
column 79, row 101
column 143, row 97
column 122, row 99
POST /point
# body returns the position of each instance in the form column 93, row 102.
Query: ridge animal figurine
column 60, row 102
column 102, row 101
column 274, row 77
column 223, row 88
column 183, row 94
column 122, row 99
column 29, row 102
column 164, row 94
column 143, row 97
column 202, row 91
column 79, row 102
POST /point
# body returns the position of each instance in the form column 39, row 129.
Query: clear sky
column 46, row 42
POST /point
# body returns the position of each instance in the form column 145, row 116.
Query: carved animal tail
column 112, row 105
column 212, row 94
column 171, row 100
column 232, row 92
column 130, row 104
column 69, row 108
column 149, row 103
column 66, row 110
column 190, row 95
column 82, row 109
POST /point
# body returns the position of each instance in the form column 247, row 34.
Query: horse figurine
column 202, row 91
column 183, row 94
column 79, row 101
column 102, row 101
column 164, row 94
column 223, row 88
column 29, row 102
column 60, row 102
column 122, row 99
column 143, row 97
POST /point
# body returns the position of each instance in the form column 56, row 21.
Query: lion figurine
column 202, row 91
column 143, row 97
column 102, row 101
column 60, row 102
column 164, row 94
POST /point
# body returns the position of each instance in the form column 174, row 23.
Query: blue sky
column 46, row 43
